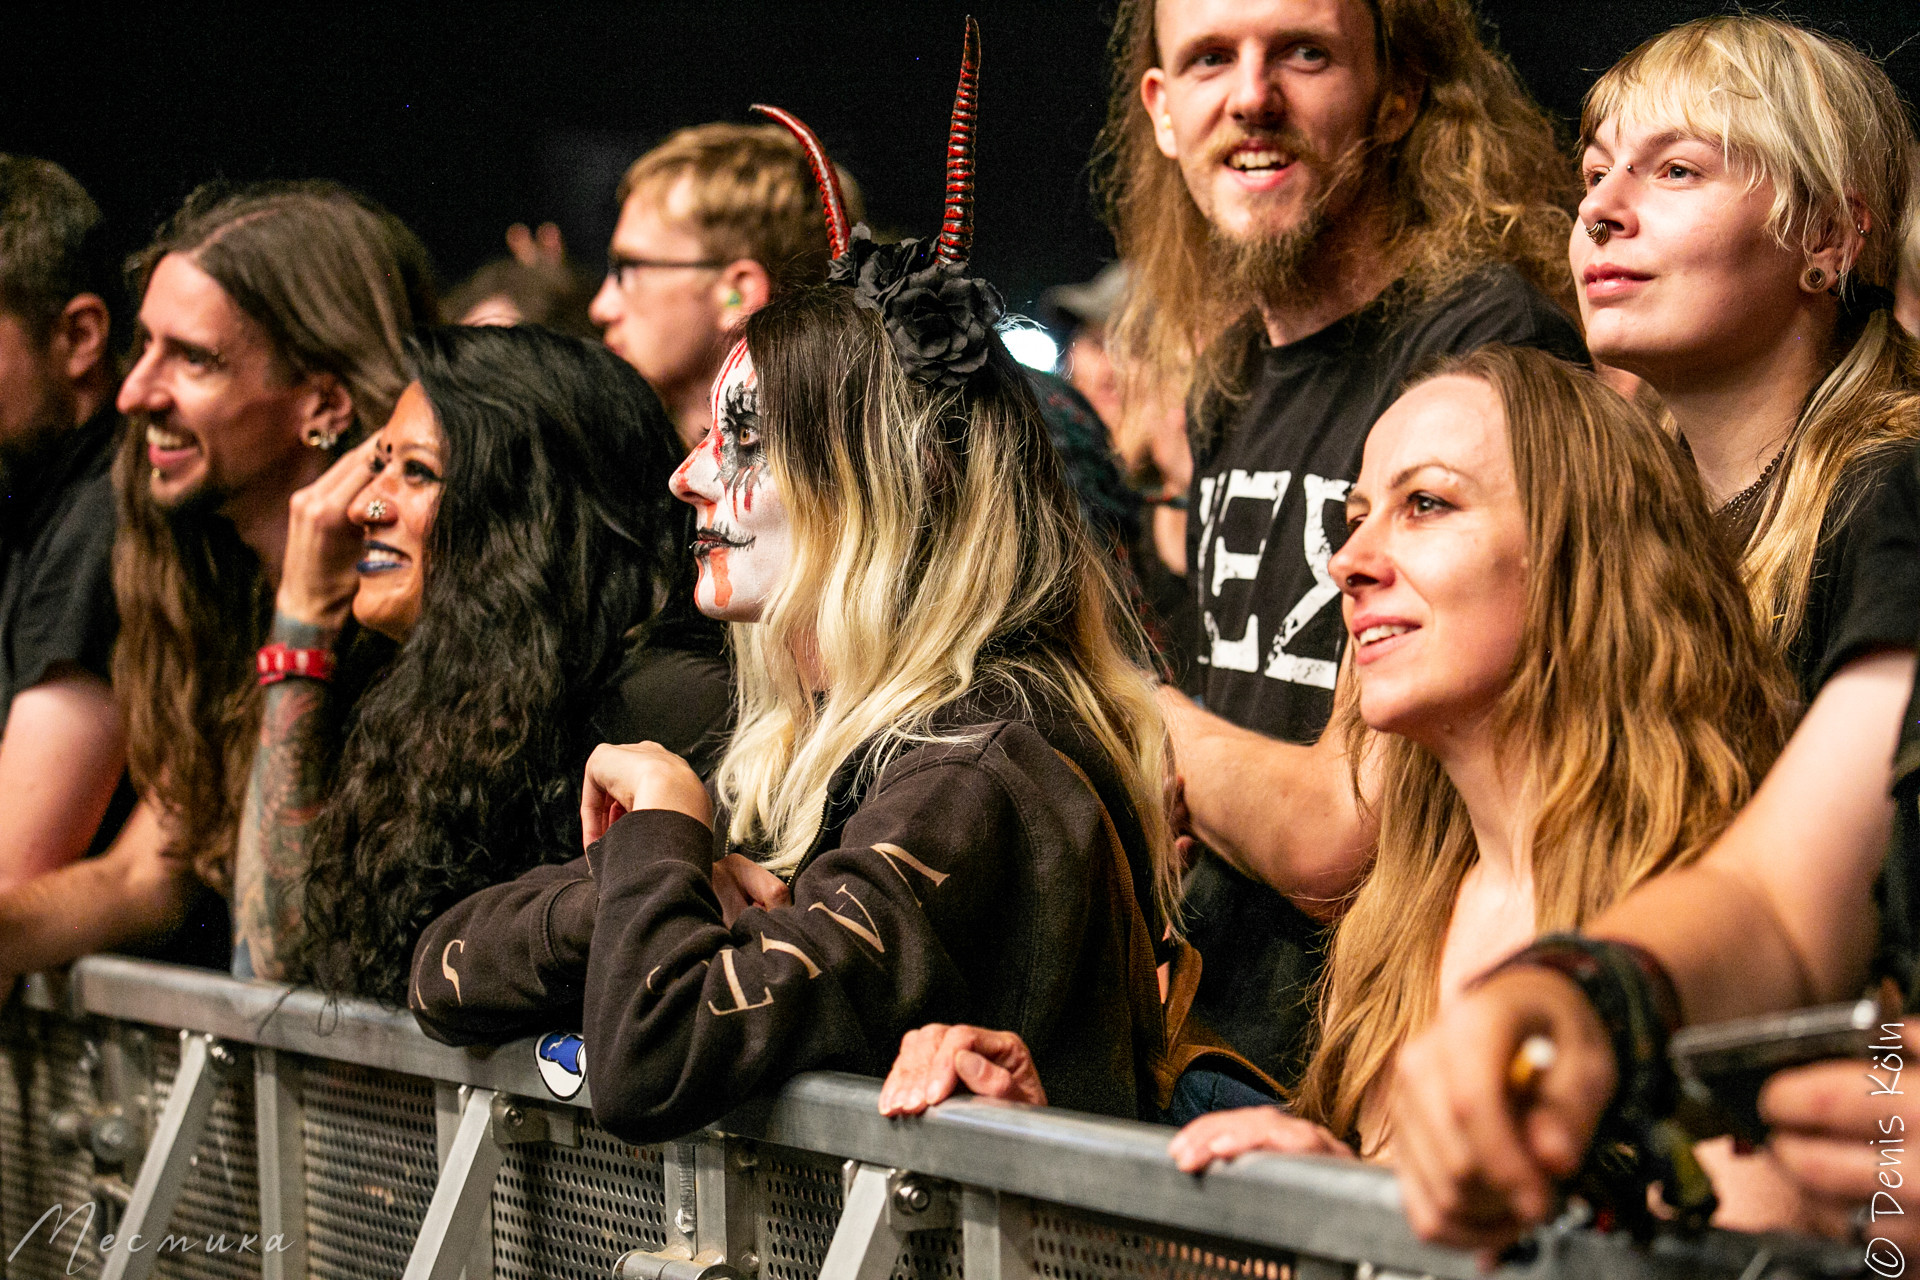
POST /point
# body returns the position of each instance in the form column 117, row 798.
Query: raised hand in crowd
column 937, row 1061
column 324, row 543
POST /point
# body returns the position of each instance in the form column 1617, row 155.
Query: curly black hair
column 554, row 540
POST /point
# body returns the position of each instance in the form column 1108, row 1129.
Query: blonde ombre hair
column 1643, row 709
column 1478, row 178
column 1824, row 126
column 937, row 552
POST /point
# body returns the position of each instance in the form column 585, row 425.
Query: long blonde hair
column 1479, row 178
column 1825, row 126
column 937, row 552
column 1643, row 709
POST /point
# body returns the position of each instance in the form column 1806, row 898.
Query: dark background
column 465, row 121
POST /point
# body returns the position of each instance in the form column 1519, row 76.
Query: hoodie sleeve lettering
column 685, row 1018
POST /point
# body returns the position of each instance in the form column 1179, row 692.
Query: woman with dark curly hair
column 522, row 588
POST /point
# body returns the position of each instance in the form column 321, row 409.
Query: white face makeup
column 744, row 542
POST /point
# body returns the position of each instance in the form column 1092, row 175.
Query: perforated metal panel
column 44, row 1069
column 1069, row 1245
column 569, row 1213
column 370, row 1168
column 802, row 1197
column 219, row 1207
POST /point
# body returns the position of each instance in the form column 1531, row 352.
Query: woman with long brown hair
column 1558, row 686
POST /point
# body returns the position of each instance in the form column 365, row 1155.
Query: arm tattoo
column 284, row 795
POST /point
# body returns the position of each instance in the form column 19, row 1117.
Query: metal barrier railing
column 162, row 1121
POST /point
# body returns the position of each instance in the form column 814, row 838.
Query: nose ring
column 1599, row 233
column 377, row 509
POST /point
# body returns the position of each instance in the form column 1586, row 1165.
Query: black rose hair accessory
column 939, row 318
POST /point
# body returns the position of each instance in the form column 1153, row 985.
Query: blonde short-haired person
column 714, row 222
column 1747, row 184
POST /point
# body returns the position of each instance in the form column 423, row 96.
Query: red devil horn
column 956, row 229
column 839, row 233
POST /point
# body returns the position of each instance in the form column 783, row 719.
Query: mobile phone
column 1722, row 1066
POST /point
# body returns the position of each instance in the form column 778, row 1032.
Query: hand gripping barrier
column 161, row 1121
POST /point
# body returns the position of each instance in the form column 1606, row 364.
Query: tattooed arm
column 284, row 793
column 317, row 583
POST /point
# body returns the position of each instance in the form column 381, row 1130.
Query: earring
column 319, row 438
column 377, row 510
column 1815, row 279
column 733, row 298
column 1599, row 233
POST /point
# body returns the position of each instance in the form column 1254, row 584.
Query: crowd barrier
column 170, row 1122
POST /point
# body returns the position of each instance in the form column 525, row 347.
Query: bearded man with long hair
column 271, row 324
column 1364, row 187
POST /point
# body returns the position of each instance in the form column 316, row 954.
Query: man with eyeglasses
column 714, row 222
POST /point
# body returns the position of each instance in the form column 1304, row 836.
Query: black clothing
column 1884, row 612
column 964, row 882
column 1267, row 508
column 1850, row 525
column 679, row 698
column 1111, row 508
column 56, row 576
column 1869, row 584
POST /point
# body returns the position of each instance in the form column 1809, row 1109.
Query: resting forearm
column 1276, row 811
column 1779, row 913
column 132, row 893
column 284, row 794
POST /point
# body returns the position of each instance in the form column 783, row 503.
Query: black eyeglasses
column 620, row 267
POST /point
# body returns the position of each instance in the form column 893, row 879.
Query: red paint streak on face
column 722, row 586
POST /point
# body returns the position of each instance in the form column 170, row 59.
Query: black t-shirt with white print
column 1267, row 508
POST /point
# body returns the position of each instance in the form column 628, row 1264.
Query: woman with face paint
column 1747, row 186
column 948, row 747
column 506, row 584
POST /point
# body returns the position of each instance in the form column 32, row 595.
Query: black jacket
column 971, row 882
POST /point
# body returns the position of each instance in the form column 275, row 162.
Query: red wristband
column 278, row 661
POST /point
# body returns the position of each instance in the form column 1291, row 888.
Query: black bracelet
column 1636, row 1003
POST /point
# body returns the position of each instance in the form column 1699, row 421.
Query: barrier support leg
column 183, row 1121
column 283, row 1172
column 995, row 1234
column 866, row 1242
column 462, row 1198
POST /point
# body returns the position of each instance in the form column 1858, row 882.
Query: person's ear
column 79, row 337
column 744, row 287
column 1153, row 95
column 326, row 412
column 1400, row 108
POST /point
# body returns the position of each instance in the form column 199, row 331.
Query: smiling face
column 1690, row 279
column 1434, row 570
column 1259, row 101
column 395, row 513
column 744, row 542
column 222, row 417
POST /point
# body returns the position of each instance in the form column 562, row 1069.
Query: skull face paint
column 744, row 541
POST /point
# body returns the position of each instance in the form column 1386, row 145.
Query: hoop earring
column 1815, row 279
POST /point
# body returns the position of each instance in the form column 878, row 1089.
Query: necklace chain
column 1740, row 501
